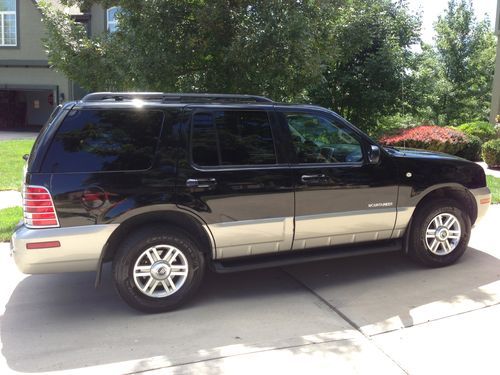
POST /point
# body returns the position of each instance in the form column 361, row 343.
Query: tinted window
column 41, row 135
column 319, row 140
column 232, row 138
column 204, row 140
column 104, row 140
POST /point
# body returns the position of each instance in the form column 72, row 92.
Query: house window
column 112, row 22
column 8, row 23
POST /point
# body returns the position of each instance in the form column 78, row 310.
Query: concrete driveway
column 372, row 314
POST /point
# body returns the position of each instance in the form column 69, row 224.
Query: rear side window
column 41, row 135
column 104, row 140
column 232, row 138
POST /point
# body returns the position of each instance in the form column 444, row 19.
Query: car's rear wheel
column 158, row 269
column 439, row 233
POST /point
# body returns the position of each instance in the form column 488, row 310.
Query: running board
column 296, row 257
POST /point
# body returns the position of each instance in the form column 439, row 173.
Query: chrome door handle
column 201, row 182
column 312, row 177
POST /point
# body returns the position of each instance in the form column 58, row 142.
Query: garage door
column 25, row 109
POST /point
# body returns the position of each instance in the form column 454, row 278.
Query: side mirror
column 373, row 154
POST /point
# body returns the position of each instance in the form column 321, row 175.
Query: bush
column 491, row 153
column 392, row 124
column 472, row 149
column 429, row 137
column 482, row 129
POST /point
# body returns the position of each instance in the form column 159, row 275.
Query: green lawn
column 11, row 162
column 494, row 185
column 9, row 217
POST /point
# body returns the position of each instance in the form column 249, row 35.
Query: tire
column 434, row 241
column 158, row 269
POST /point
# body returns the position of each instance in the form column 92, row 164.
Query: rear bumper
column 483, row 201
column 80, row 248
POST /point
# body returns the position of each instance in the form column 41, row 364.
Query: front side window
column 112, row 22
column 319, row 140
column 104, row 140
column 8, row 23
column 232, row 138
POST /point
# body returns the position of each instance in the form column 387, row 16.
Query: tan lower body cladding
column 253, row 237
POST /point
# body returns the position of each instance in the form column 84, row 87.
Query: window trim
column 231, row 167
column 2, row 36
column 114, row 21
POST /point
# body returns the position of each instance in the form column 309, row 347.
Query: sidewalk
column 7, row 135
column 10, row 198
column 489, row 171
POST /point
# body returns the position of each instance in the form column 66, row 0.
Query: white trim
column 113, row 23
column 2, row 26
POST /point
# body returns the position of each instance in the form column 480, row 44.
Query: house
column 495, row 97
column 29, row 88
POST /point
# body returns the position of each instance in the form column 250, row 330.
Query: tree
column 266, row 47
column 466, row 54
column 348, row 55
column 363, row 74
column 425, row 87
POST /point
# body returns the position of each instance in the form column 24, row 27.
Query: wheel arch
column 456, row 192
column 177, row 219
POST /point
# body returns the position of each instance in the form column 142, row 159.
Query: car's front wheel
column 439, row 233
column 158, row 269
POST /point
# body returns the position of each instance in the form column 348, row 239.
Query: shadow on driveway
column 59, row 322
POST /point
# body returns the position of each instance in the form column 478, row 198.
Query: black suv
column 164, row 185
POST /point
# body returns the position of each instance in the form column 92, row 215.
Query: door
column 237, row 179
column 340, row 198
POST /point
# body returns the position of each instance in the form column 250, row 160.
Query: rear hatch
column 38, row 206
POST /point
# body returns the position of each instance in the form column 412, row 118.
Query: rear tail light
column 38, row 207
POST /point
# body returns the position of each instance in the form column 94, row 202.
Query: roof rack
column 173, row 97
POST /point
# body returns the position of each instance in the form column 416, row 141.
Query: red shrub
column 429, row 137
